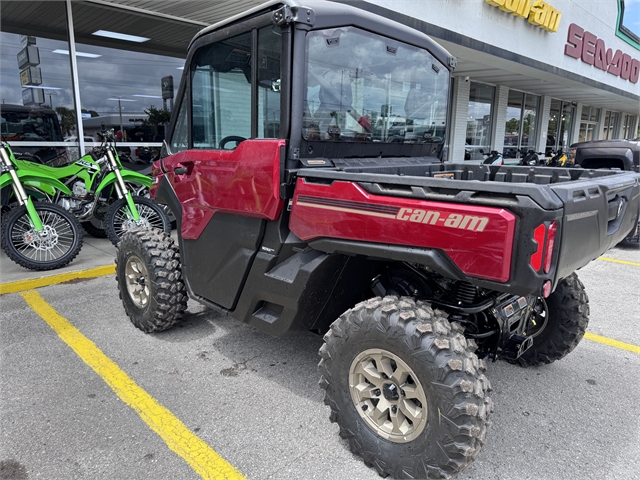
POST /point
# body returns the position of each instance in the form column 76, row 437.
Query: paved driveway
column 254, row 399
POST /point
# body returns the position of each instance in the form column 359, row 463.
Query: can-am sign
column 592, row 50
column 538, row 13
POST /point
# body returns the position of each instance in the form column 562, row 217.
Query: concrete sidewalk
column 95, row 252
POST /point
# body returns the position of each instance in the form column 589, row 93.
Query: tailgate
column 598, row 213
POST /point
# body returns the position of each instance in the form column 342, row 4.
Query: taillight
column 551, row 238
column 536, row 258
column 539, row 237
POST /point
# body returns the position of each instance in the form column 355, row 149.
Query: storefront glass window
column 122, row 90
column 479, row 121
column 559, row 129
column 520, row 127
column 588, row 124
column 611, row 120
column 36, row 97
column 627, row 127
column 513, row 124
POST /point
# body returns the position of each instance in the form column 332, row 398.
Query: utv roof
column 329, row 14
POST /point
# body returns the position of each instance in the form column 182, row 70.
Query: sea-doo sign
column 590, row 49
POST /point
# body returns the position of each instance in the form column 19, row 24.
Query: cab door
column 226, row 156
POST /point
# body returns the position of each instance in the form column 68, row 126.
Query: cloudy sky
column 115, row 73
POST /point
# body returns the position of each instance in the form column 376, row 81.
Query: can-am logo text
column 453, row 220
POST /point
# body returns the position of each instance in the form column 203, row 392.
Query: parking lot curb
column 30, row 284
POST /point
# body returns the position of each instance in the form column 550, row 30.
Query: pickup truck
column 621, row 154
column 299, row 210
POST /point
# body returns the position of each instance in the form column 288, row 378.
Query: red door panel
column 244, row 181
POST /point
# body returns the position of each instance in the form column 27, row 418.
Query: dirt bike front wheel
column 55, row 246
column 119, row 219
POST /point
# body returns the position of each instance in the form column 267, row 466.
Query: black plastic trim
column 434, row 259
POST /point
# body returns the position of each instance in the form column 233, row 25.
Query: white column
column 459, row 113
column 543, row 125
column 599, row 133
column 573, row 135
column 499, row 118
column 74, row 77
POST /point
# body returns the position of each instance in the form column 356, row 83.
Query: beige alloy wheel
column 388, row 395
column 137, row 280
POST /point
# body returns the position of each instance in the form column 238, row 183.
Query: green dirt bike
column 35, row 235
column 102, row 192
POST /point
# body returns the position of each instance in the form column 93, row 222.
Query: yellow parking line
column 202, row 458
column 612, row 343
column 615, row 260
column 23, row 285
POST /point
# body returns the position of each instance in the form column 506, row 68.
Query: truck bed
column 473, row 222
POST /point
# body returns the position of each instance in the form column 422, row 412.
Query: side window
column 221, row 93
column 268, row 66
column 180, row 137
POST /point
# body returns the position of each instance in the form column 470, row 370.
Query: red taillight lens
column 536, row 258
column 551, row 238
column 546, row 289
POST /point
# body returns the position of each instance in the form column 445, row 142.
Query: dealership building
column 530, row 74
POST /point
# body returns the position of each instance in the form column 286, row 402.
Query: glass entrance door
column 561, row 118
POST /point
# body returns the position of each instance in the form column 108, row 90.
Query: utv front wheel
column 150, row 279
column 405, row 388
column 558, row 323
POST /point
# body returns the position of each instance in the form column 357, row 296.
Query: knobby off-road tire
column 60, row 244
column 428, row 417
column 563, row 318
column 149, row 277
column 118, row 220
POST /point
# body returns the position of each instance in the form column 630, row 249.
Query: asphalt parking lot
column 213, row 398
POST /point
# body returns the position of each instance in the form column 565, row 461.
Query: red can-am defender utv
column 303, row 166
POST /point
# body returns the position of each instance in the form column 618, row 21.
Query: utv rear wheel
column 559, row 323
column 150, row 279
column 405, row 388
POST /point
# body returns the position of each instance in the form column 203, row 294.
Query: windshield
column 362, row 87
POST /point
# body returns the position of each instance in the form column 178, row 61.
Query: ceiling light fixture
column 120, row 36
column 78, row 54
column 42, row 86
column 146, row 96
column 121, row 99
